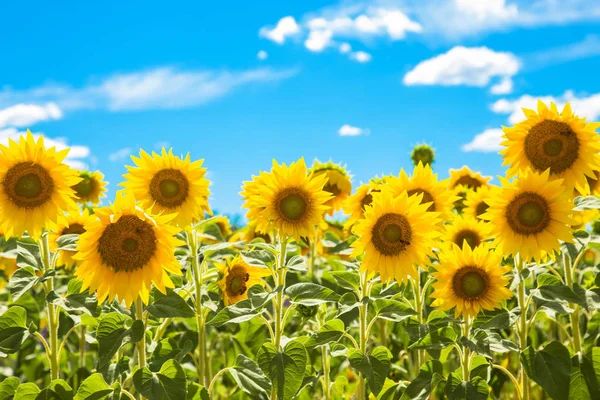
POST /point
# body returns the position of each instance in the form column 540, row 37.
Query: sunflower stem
column 52, row 310
column 466, row 360
column 363, row 334
column 574, row 316
column 141, row 345
column 278, row 300
column 326, row 372
column 416, row 283
column 523, row 334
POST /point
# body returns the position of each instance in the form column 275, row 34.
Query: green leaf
column 586, row 203
column 259, row 258
column 249, row 377
column 392, row 310
column 331, row 331
column 585, row 384
column 22, row 281
column 74, row 302
column 94, row 387
column 436, row 340
column 478, row 343
column 285, row 370
column 297, row 263
column 196, row 392
column 347, row 279
column 239, row 312
column 420, row 388
column 375, row 366
column 8, row 387
column 28, row 255
column 475, row 389
column 67, row 242
column 311, row 294
column 167, row 384
column 559, row 291
column 27, row 391
column 58, row 390
column 169, row 306
column 550, row 368
column 497, row 319
column 112, row 335
column 13, row 329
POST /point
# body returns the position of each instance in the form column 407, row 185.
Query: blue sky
column 112, row 77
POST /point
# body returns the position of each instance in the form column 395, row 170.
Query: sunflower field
column 406, row 287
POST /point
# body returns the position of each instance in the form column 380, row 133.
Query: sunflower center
column 427, row 197
column 333, row 189
column 468, row 181
column 366, row 201
column 391, row 234
column 481, row 208
column 85, row 187
column 73, row 229
column 169, row 188
column 292, row 204
column 128, row 244
column 472, row 238
column 528, row 214
column 470, row 283
column 28, row 185
column 236, row 281
column 552, row 144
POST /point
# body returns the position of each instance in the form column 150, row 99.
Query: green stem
column 466, row 361
column 312, row 254
column 416, row 283
column 214, row 380
column 575, row 314
column 278, row 300
column 512, row 378
column 52, row 311
column 82, row 346
column 141, row 345
column 523, row 325
column 363, row 336
column 326, row 372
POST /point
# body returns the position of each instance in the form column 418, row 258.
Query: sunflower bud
column 307, row 311
column 423, row 153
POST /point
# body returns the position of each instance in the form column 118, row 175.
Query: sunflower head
column 338, row 183
column 71, row 223
column 237, row 278
column 289, row 200
column 562, row 143
column 467, row 178
column 356, row 204
column 125, row 250
column 91, row 188
column 470, row 280
column 475, row 202
column 530, row 215
column 424, row 154
column 395, row 235
column 466, row 230
column 35, row 186
column 171, row 185
column 250, row 194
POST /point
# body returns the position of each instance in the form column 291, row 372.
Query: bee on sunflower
column 475, row 202
column 338, row 183
column 395, row 235
column 171, row 185
column 560, row 142
column 91, row 188
column 530, row 215
column 36, row 186
column 466, row 229
column 470, row 280
column 238, row 277
column 290, row 200
column 71, row 223
column 125, row 250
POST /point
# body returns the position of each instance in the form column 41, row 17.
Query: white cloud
column 349, row 130
column 486, row 142
column 120, row 154
column 286, row 26
column 76, row 158
column 318, row 40
column 474, row 66
column 586, row 48
column 360, row 56
column 21, row 115
column 262, row 55
column 505, row 86
column 345, row 48
column 160, row 88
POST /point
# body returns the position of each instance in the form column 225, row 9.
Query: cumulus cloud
column 262, row 55
column 360, row 56
column 349, row 130
column 345, row 48
column 486, row 142
column 120, row 154
column 474, row 66
column 505, row 86
column 285, row 27
column 21, row 115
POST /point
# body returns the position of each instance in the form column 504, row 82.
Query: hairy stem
column 53, row 312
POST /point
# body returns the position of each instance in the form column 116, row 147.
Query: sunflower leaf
column 311, row 294
column 285, row 369
column 13, row 329
column 550, row 368
column 374, row 366
column 167, row 384
column 169, row 305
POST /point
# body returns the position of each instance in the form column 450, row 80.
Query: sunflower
column 470, row 280
column 91, row 188
column 36, row 186
column 125, row 250
column 466, row 229
column 238, row 277
column 290, row 200
column 171, row 185
column 250, row 192
column 8, row 266
column 460, row 195
column 71, row 223
column 582, row 218
column 475, row 202
column 356, row 204
column 395, row 235
column 210, row 234
column 422, row 153
column 561, row 142
column 424, row 181
column 466, row 177
column 338, row 183
column 530, row 215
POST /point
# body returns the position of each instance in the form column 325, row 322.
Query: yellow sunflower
column 561, row 142
column 466, row 229
column 475, row 202
column 220, row 223
column 125, row 250
column 530, row 216
column 460, row 195
column 71, row 223
column 8, row 266
column 290, row 200
column 338, row 183
column 465, row 177
column 238, row 277
column 171, row 185
column 91, row 188
column 582, row 218
column 356, row 204
column 250, row 192
column 470, row 280
column 424, row 181
column 36, row 186
column 395, row 235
